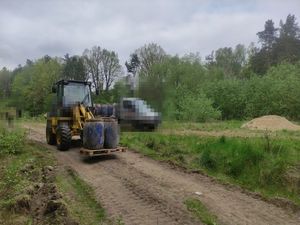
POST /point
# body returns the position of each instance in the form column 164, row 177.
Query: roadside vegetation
column 266, row 165
column 80, row 198
column 200, row 211
column 34, row 189
column 206, row 126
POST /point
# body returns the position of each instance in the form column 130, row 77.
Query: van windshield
column 141, row 106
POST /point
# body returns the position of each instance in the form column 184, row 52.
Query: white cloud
column 33, row 28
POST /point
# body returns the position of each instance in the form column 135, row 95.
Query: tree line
column 230, row 83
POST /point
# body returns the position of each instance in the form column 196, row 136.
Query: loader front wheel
column 50, row 137
column 63, row 137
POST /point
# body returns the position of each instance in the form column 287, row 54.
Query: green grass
column 258, row 164
column 14, row 183
column 208, row 126
column 198, row 209
column 32, row 119
column 80, row 199
column 226, row 125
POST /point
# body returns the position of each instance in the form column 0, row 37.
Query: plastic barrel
column 93, row 135
column 110, row 110
column 111, row 133
column 97, row 109
column 104, row 110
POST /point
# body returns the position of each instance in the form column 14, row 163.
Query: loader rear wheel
column 63, row 137
column 50, row 136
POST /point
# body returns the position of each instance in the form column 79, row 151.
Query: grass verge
column 34, row 189
column 198, row 209
column 265, row 165
column 18, row 174
column 80, row 198
column 207, row 126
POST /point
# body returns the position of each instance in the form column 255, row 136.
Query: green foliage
column 228, row 96
column 32, row 85
column 11, row 142
column 200, row 211
column 196, row 108
column 5, row 83
column 133, row 65
column 268, row 36
column 275, row 93
column 234, row 160
column 277, row 49
column 207, row 126
column 113, row 95
column 177, row 93
column 229, row 61
column 120, row 90
column 74, row 68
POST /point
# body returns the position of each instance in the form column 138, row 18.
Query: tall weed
column 11, row 142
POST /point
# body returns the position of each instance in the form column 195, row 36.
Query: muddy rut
column 143, row 191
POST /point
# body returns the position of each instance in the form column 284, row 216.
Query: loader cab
column 71, row 92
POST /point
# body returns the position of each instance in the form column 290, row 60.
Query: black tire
column 151, row 127
column 137, row 126
column 63, row 137
column 50, row 136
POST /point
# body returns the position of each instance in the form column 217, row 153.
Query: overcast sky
column 30, row 29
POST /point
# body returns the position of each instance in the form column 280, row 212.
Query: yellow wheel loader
column 72, row 115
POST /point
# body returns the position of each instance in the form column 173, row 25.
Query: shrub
column 196, row 108
column 11, row 142
column 228, row 96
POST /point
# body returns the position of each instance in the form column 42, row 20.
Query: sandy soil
column 272, row 123
column 144, row 191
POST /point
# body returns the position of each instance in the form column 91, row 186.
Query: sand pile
column 270, row 122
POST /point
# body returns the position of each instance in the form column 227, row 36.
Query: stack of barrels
column 104, row 110
column 101, row 133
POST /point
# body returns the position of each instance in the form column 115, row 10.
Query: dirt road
column 144, row 191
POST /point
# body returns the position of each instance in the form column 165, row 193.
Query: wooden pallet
column 103, row 151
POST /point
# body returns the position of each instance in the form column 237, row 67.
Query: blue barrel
column 104, row 110
column 110, row 110
column 111, row 133
column 93, row 135
column 97, row 110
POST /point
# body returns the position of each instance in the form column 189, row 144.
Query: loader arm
column 80, row 115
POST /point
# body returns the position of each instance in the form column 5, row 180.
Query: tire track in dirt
column 115, row 186
column 120, row 195
column 144, row 191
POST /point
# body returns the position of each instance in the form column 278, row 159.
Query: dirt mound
column 272, row 123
